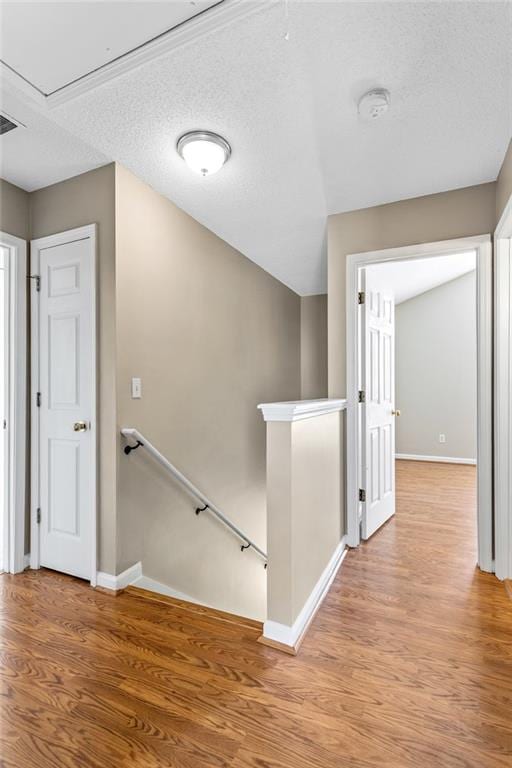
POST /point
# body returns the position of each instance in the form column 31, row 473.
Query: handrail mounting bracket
column 129, row 448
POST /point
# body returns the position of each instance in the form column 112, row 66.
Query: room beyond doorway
column 364, row 418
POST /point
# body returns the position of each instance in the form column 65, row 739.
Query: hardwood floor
column 408, row 663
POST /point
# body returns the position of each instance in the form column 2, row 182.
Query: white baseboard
column 144, row 582
column 291, row 636
column 122, row 580
column 26, row 561
column 442, row 459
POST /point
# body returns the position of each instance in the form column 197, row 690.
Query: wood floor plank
column 408, row 662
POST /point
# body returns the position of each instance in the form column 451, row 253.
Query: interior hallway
column 408, row 663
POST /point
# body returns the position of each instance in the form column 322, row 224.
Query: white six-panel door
column 378, row 428
column 66, row 397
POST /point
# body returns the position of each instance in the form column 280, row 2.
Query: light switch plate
column 136, row 389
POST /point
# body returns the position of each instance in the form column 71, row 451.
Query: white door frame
column 81, row 233
column 14, row 522
column 482, row 245
column 503, row 393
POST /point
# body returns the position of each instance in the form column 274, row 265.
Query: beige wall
column 313, row 346
column 88, row 199
column 435, row 382
column 305, row 508
column 448, row 215
column 211, row 335
column 504, row 183
column 14, row 210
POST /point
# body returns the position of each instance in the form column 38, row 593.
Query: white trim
column 80, row 233
column 122, row 580
column 145, row 582
column 484, row 386
column 296, row 410
column 151, row 585
column 26, row 561
column 503, row 393
column 14, row 523
column 441, row 459
column 481, row 244
column 286, row 635
column 191, row 30
column 34, row 415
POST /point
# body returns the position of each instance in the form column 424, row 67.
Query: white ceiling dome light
column 374, row 104
column 203, row 151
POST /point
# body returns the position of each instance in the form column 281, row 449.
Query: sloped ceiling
column 407, row 279
column 282, row 85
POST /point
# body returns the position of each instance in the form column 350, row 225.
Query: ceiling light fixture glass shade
column 204, row 152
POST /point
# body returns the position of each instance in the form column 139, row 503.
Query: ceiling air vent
column 6, row 125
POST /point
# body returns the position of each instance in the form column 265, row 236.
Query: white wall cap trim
column 122, row 580
column 294, row 410
column 291, row 636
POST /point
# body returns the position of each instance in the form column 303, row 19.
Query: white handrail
column 208, row 505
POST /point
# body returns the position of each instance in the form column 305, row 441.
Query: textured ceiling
column 289, row 110
column 43, row 152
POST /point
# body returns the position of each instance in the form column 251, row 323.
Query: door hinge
column 37, row 278
column 38, row 515
column 362, row 396
column 362, row 494
column 38, row 399
column 361, row 296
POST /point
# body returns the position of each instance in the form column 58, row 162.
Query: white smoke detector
column 374, row 104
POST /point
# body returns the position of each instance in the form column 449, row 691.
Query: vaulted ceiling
column 281, row 81
column 407, row 279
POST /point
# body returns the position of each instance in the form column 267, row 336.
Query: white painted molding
column 290, row 636
column 193, row 29
column 15, row 436
column 295, row 410
column 26, row 560
column 441, row 459
column 503, row 393
column 122, row 580
column 144, row 582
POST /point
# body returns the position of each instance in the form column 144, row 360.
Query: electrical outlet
column 442, row 438
column 136, row 389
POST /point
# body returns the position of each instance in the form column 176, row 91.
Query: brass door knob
column 395, row 413
column 79, row 426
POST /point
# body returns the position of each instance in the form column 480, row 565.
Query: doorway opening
column 12, row 402
column 419, row 369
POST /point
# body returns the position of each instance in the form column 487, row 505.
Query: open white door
column 65, row 401
column 377, row 408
